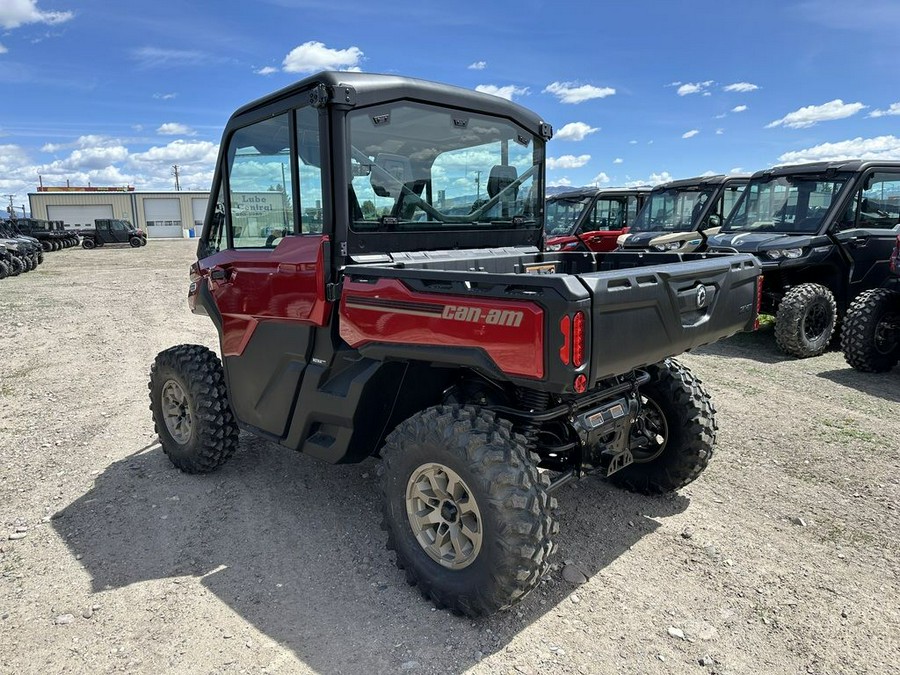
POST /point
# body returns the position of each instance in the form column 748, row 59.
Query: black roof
column 362, row 89
column 578, row 193
column 703, row 181
column 844, row 165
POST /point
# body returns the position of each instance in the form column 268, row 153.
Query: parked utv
column 5, row 262
column 824, row 233
column 590, row 219
column 681, row 214
column 409, row 316
column 109, row 231
column 44, row 232
column 870, row 337
column 26, row 251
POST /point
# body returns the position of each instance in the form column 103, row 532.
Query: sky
column 113, row 93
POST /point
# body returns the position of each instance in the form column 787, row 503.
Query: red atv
column 379, row 303
column 870, row 337
column 591, row 219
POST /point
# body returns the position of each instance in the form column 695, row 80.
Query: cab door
column 869, row 230
column 117, row 232
column 604, row 224
column 264, row 259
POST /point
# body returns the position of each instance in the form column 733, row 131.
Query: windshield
column 673, row 210
column 416, row 167
column 563, row 214
column 785, row 204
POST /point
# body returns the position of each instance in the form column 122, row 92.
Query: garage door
column 198, row 206
column 163, row 217
column 79, row 217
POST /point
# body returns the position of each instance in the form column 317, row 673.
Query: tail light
column 565, row 327
column 578, row 340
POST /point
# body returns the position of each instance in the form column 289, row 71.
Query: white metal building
column 159, row 214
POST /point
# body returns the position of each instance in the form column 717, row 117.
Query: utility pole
column 11, row 209
column 175, row 173
column 477, row 185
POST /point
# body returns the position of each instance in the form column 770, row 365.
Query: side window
column 632, row 210
column 879, row 201
column 118, row 226
column 259, row 181
column 309, row 154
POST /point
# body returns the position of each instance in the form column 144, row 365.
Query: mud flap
column 619, row 461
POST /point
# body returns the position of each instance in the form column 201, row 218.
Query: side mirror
column 389, row 174
column 714, row 221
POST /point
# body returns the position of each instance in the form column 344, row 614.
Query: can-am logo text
column 493, row 317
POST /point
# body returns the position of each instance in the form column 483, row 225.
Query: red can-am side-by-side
column 591, row 219
column 386, row 301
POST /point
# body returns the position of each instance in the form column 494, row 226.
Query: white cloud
column 506, row 92
column 15, row 13
column 737, row 169
column 165, row 97
column 690, row 134
column 267, row 70
column 87, row 159
column 654, row 179
column 570, row 92
column 567, row 162
column 813, row 114
column 707, row 174
column 722, row 116
column 738, row 108
column 618, row 160
column 632, row 142
column 181, row 151
column 694, row 87
column 719, row 132
column 159, row 57
column 741, row 87
column 879, row 147
column 175, row 129
column 560, row 182
column 575, row 131
column 478, row 65
column 313, row 56
column 600, row 179
column 3, row 49
column 894, row 109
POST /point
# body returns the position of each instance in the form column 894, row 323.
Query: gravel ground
column 781, row 558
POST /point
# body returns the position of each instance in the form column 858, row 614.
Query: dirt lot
column 782, row 558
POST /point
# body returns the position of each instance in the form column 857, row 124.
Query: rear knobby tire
column 208, row 434
column 516, row 516
column 16, row 266
column 87, row 243
column 805, row 321
column 678, row 410
column 871, row 334
column 4, row 269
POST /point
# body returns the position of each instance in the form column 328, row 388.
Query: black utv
column 111, row 231
column 26, row 251
column 5, row 262
column 49, row 237
column 871, row 334
column 824, row 234
column 682, row 214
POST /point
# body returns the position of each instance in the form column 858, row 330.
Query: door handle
column 219, row 274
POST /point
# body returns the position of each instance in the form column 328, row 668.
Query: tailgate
column 643, row 315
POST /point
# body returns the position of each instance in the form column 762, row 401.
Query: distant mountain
column 558, row 189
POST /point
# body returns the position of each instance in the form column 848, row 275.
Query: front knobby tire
column 675, row 434
column 870, row 338
column 466, row 510
column 805, row 321
column 191, row 413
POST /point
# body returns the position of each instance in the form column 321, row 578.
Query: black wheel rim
column 887, row 334
column 816, row 321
